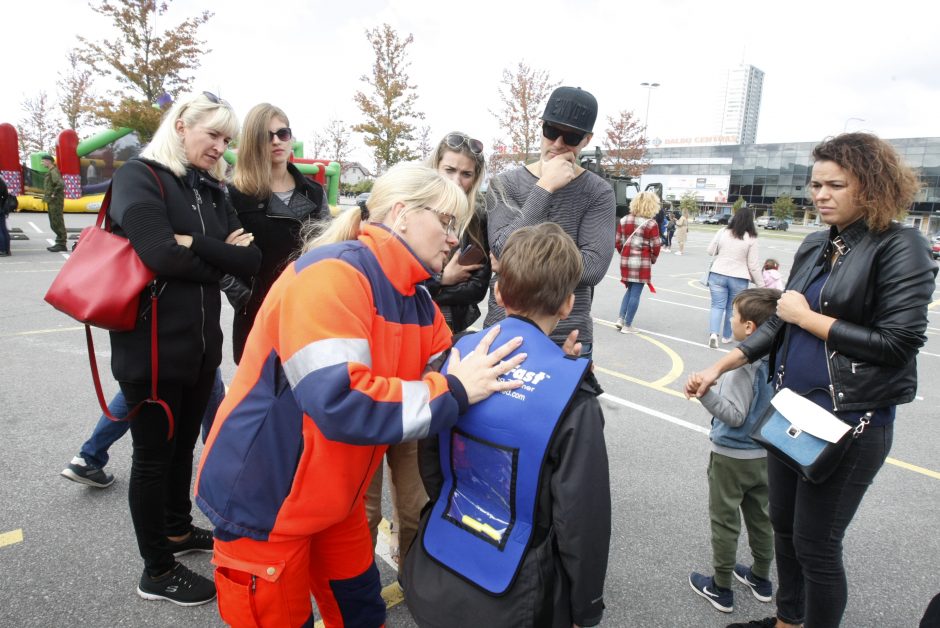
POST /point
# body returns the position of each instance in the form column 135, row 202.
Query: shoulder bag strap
column 105, row 219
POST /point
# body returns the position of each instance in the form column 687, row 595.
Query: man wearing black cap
column 54, row 196
column 556, row 189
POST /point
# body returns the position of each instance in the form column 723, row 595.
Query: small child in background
column 737, row 467
column 772, row 278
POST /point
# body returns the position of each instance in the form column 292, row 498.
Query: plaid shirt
column 638, row 248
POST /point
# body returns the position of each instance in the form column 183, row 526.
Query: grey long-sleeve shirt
column 585, row 209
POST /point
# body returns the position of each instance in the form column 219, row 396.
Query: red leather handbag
column 100, row 285
column 101, row 282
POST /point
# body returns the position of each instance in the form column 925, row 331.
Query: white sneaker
column 629, row 329
column 619, row 324
column 726, row 341
column 678, row 252
column 713, row 341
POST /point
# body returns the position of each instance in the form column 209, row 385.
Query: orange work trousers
column 265, row 584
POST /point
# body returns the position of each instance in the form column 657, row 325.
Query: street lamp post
column 845, row 127
column 646, row 120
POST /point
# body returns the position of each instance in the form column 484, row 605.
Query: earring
column 404, row 227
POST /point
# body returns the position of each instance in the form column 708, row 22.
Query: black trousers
column 809, row 522
column 162, row 470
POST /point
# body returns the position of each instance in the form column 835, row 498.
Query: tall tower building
column 742, row 103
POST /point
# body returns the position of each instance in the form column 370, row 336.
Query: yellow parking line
column 34, row 332
column 914, row 468
column 641, row 382
column 11, row 538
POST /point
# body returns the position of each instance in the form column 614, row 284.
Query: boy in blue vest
column 737, row 468
column 518, row 527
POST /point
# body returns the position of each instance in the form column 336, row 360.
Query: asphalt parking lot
column 68, row 555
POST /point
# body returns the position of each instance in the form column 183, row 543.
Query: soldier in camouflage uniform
column 54, row 196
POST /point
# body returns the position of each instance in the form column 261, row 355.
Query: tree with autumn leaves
column 625, row 143
column 145, row 61
column 388, row 106
column 523, row 94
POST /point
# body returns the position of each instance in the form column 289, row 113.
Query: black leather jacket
column 878, row 291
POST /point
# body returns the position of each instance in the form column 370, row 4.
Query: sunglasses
column 448, row 221
column 282, row 134
column 215, row 100
column 456, row 140
column 570, row 138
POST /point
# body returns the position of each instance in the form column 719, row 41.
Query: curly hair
column 645, row 205
column 886, row 185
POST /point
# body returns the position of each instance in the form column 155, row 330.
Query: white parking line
column 33, row 225
column 693, row 307
column 654, row 413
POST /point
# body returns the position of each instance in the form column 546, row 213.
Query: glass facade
column 762, row 172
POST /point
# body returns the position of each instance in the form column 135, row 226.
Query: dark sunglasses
column 283, row 134
column 215, row 100
column 570, row 138
column 456, row 140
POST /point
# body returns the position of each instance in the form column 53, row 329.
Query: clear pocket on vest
column 482, row 501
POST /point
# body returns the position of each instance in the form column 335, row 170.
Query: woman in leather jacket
column 461, row 287
column 457, row 290
column 845, row 336
column 274, row 202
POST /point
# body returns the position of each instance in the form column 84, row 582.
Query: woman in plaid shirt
column 638, row 242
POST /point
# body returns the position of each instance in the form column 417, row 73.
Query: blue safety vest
column 491, row 460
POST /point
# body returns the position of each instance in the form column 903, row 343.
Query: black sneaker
column 181, row 586
column 762, row 589
column 767, row 622
column 57, row 248
column 84, row 473
column 720, row 598
column 199, row 541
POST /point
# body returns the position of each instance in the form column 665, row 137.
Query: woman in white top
column 736, row 261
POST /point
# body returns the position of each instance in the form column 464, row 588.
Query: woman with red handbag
column 171, row 205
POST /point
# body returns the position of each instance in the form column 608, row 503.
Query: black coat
column 878, row 292
column 279, row 239
column 189, row 335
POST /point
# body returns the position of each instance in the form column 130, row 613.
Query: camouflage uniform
column 54, row 196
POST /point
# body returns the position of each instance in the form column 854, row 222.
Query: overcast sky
column 827, row 63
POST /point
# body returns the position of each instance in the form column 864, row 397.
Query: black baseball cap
column 572, row 107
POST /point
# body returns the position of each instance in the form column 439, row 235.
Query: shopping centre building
column 719, row 174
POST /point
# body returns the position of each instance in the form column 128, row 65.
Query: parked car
column 361, row 199
column 717, row 219
column 935, row 247
column 762, row 221
column 778, row 224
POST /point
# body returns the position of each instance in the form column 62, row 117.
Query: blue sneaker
column 762, row 589
column 720, row 598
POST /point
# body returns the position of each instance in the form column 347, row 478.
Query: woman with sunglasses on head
column 339, row 365
column 846, row 337
column 457, row 290
column 170, row 203
column 274, row 201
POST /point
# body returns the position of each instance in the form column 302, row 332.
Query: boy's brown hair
column 757, row 304
column 539, row 269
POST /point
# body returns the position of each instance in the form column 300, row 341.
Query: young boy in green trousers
column 737, row 467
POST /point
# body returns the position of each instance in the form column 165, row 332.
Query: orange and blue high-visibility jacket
column 333, row 371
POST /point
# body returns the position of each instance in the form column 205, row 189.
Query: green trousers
column 57, row 220
column 734, row 485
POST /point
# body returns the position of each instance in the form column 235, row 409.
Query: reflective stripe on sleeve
column 415, row 410
column 324, row 353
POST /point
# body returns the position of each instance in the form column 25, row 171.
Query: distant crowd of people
column 356, row 358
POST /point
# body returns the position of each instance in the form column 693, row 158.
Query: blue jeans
column 107, row 432
column 809, row 522
column 631, row 301
column 723, row 290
